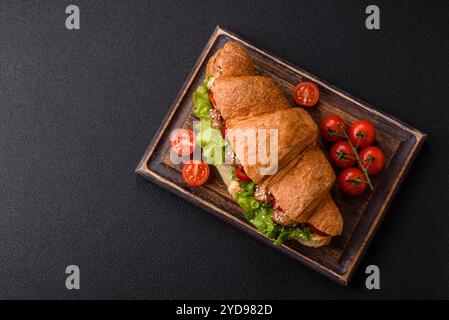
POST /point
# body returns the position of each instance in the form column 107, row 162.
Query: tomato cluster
column 345, row 154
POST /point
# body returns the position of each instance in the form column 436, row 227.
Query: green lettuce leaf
column 259, row 214
column 304, row 234
column 208, row 138
column 201, row 102
column 262, row 221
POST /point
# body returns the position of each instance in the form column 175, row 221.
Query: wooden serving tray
column 362, row 215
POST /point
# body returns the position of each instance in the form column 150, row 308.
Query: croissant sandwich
column 269, row 159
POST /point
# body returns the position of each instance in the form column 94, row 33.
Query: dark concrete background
column 78, row 109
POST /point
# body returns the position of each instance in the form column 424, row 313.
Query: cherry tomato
column 183, row 141
column 352, row 181
column 330, row 128
column 373, row 159
column 342, row 155
column 317, row 231
column 211, row 98
column 195, row 172
column 362, row 133
column 240, row 173
column 275, row 204
column 306, row 94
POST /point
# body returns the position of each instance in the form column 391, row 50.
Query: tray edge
column 344, row 279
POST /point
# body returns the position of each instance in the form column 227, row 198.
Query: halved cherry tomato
column 275, row 204
column 317, row 231
column 240, row 173
column 330, row 128
column 195, row 172
column 306, row 94
column 342, row 155
column 211, row 98
column 183, row 141
column 362, row 133
column 373, row 159
column 352, row 181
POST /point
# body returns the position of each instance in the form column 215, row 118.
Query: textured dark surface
column 78, row 108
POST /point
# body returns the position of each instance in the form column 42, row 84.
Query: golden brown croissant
column 300, row 188
column 232, row 60
column 294, row 130
column 327, row 217
column 304, row 177
column 244, row 97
